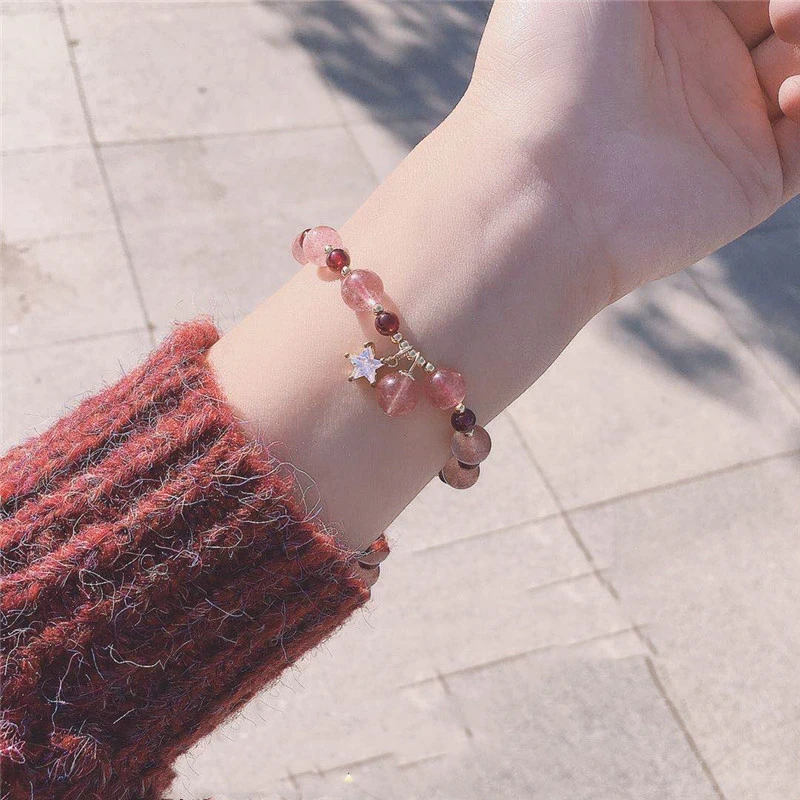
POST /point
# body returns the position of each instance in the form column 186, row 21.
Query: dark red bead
column 338, row 259
column 386, row 323
column 463, row 421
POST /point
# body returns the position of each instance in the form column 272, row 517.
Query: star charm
column 365, row 365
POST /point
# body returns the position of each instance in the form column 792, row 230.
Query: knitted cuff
column 157, row 571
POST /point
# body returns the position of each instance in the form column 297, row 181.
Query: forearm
column 478, row 258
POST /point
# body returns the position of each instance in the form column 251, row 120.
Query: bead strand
column 398, row 392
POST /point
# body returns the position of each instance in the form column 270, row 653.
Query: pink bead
column 362, row 289
column 297, row 248
column 471, row 448
column 453, row 474
column 315, row 242
column 397, row 394
column 446, row 388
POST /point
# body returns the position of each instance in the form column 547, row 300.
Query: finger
column 750, row 18
column 785, row 18
column 775, row 61
column 789, row 97
column 787, row 136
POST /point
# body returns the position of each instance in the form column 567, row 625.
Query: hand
column 668, row 128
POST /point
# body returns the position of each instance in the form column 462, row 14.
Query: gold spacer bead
column 460, row 407
column 345, row 271
column 377, row 309
column 328, row 248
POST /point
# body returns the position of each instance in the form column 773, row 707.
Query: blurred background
column 612, row 611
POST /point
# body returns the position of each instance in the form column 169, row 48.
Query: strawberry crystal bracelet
column 398, row 391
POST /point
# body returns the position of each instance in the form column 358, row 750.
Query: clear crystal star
column 365, row 365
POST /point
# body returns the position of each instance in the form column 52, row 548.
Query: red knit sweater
column 156, row 572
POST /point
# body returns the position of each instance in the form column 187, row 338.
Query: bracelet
column 398, row 392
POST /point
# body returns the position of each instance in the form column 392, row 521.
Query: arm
column 479, row 258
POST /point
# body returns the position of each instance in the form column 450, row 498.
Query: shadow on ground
column 392, row 61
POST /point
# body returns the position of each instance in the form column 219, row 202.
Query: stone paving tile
column 378, row 778
column 12, row 7
column 209, row 222
column 52, row 193
column 655, row 389
column 568, row 729
column 38, row 385
column 391, row 60
column 63, row 289
column 755, row 282
column 541, row 731
column 372, row 689
column 188, row 272
column 293, row 732
column 41, row 107
column 507, row 593
column 176, row 184
column 711, row 570
column 509, row 492
column 154, row 70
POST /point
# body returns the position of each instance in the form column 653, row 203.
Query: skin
column 600, row 145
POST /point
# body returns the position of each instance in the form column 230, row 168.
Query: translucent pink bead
column 297, row 248
column 362, row 289
column 397, row 394
column 471, row 448
column 316, row 240
column 446, row 388
column 453, row 474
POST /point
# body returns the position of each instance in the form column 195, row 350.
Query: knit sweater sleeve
column 157, row 571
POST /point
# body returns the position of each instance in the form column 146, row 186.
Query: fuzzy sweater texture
column 156, row 572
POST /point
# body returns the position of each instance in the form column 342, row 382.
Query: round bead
column 362, row 289
column 370, row 575
column 446, row 388
column 471, row 448
column 297, row 248
column 376, row 553
column 316, row 240
column 397, row 394
column 463, row 421
column 387, row 323
column 457, row 476
column 337, row 260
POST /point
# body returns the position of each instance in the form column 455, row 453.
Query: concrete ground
column 613, row 611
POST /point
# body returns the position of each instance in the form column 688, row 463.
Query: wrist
column 481, row 254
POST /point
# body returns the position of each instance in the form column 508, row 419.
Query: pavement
column 612, row 612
